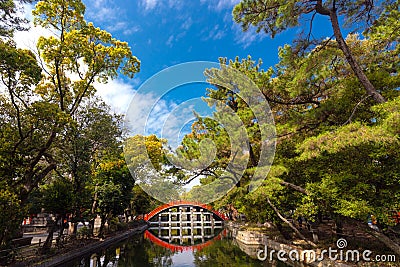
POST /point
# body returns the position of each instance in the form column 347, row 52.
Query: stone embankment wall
column 251, row 242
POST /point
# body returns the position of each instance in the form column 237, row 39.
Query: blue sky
column 163, row 33
column 167, row 32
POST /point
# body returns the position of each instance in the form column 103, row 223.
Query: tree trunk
column 386, row 240
column 319, row 217
column 91, row 223
column 49, row 240
column 351, row 60
column 73, row 228
column 290, row 224
column 1, row 237
column 395, row 247
column 61, row 232
column 338, row 227
column 94, row 204
column 101, row 230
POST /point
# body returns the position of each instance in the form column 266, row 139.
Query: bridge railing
column 157, row 210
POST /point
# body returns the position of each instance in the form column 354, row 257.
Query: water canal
column 147, row 249
column 179, row 234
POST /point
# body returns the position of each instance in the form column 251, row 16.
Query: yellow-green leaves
column 78, row 55
column 59, row 14
column 139, row 149
column 19, row 66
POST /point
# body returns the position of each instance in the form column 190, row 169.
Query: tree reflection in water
column 142, row 252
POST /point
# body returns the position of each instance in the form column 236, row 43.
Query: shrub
column 84, row 233
column 121, row 226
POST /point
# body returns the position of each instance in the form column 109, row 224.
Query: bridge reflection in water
column 178, row 226
column 184, row 225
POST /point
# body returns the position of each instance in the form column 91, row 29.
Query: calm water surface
column 147, row 250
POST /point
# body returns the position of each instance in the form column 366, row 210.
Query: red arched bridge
column 184, row 225
column 183, row 204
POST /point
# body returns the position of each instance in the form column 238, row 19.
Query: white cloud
column 124, row 27
column 175, row 122
column 148, row 114
column 187, row 23
column 140, row 107
column 131, row 30
column 116, row 93
column 149, row 4
column 28, row 39
column 26, row 11
column 226, row 4
column 110, row 16
column 219, row 35
column 245, row 39
column 248, row 37
column 173, row 39
column 219, row 5
column 215, row 33
column 105, row 14
column 102, row 10
column 176, row 4
column 169, row 41
column 117, row 26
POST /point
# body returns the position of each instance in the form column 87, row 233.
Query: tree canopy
column 337, row 142
column 316, row 135
column 54, row 130
column 275, row 16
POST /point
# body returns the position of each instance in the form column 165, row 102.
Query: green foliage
column 385, row 28
column 52, row 125
column 93, row 138
column 275, row 16
column 116, row 225
column 351, row 135
column 84, row 233
column 57, row 196
column 223, row 253
column 141, row 202
column 11, row 211
column 146, row 157
column 140, row 148
column 121, row 226
column 113, row 187
column 337, row 150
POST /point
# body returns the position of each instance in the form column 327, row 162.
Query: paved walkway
column 39, row 236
